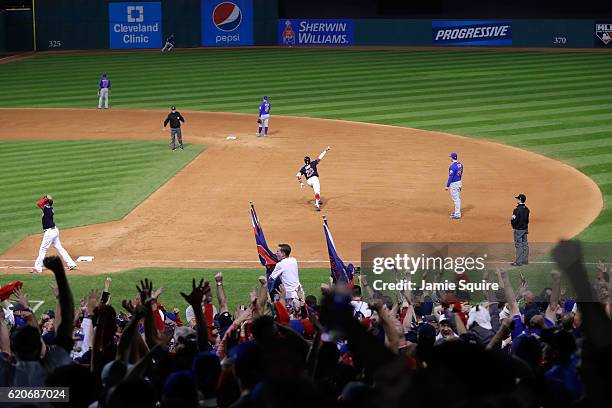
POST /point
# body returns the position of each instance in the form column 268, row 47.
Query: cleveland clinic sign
column 135, row 25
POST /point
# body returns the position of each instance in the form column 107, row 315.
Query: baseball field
column 533, row 122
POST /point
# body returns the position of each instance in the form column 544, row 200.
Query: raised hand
column 145, row 290
column 158, row 293
column 21, row 298
column 127, row 305
column 107, row 283
column 376, row 305
column 197, row 293
column 54, row 264
column 93, row 301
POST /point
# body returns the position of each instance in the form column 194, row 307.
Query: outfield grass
column 555, row 103
column 91, row 181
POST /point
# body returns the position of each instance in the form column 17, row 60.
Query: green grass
column 555, row 103
column 558, row 104
column 91, row 181
column 238, row 284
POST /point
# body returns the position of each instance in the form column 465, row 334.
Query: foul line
column 231, row 261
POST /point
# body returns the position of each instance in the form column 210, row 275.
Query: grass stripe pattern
column 81, row 175
column 555, row 103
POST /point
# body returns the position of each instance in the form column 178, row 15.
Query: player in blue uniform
column 455, row 172
column 309, row 170
column 264, row 116
column 103, row 91
column 169, row 45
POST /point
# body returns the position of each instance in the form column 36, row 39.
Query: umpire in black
column 175, row 118
column 520, row 223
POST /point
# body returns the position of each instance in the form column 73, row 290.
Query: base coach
column 520, row 223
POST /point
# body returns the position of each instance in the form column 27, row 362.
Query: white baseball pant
column 315, row 184
column 51, row 237
column 103, row 94
column 455, row 192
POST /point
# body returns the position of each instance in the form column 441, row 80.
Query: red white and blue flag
column 267, row 258
column 339, row 272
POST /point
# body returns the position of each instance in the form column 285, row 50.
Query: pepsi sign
column 227, row 23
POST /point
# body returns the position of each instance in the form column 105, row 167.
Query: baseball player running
column 169, row 45
column 103, row 91
column 309, row 170
column 51, row 236
column 175, row 118
column 455, row 172
column 264, row 116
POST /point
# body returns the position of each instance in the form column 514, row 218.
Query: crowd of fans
column 346, row 347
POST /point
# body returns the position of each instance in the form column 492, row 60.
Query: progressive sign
column 472, row 33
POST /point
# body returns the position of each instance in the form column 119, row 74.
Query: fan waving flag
column 339, row 272
column 267, row 258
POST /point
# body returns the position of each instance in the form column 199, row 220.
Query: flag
column 7, row 290
column 339, row 272
column 267, row 258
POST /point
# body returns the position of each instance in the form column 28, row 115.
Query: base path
column 379, row 183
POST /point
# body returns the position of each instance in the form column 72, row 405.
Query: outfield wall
column 514, row 33
column 78, row 24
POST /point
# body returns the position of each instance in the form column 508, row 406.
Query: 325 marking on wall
column 55, row 44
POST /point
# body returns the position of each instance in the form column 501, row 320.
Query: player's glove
column 259, row 121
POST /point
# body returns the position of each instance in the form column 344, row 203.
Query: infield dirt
column 378, row 183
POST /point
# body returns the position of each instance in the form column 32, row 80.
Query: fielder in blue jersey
column 264, row 116
column 455, row 172
column 103, row 91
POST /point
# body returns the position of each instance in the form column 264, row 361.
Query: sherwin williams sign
column 227, row 23
column 322, row 33
column 471, row 33
column 135, row 25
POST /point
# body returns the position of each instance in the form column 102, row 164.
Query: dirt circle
column 379, row 183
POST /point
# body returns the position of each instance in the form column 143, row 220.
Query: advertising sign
column 227, row 23
column 135, row 25
column 322, row 33
column 472, row 33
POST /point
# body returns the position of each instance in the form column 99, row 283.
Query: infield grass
column 91, row 181
column 237, row 283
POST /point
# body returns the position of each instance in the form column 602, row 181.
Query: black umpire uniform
column 520, row 224
column 175, row 118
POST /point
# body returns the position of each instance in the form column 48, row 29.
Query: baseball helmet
column 306, row 159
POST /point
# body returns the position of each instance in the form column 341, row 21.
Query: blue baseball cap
column 265, row 97
column 453, row 156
